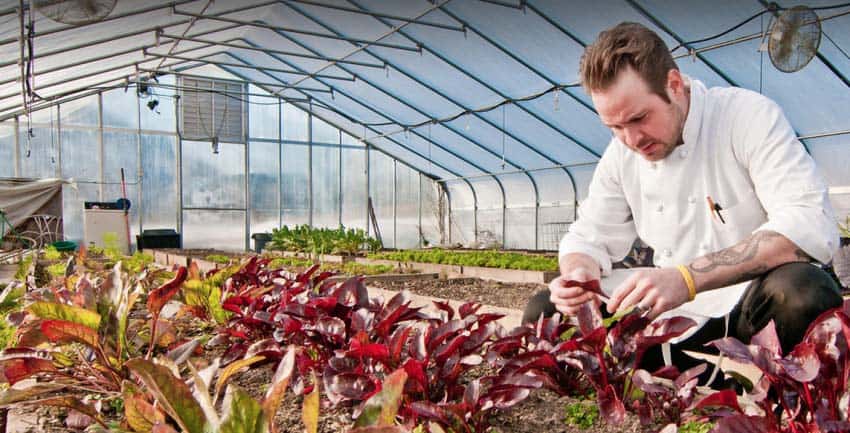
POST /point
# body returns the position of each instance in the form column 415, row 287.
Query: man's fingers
column 622, row 291
column 642, row 293
column 575, row 298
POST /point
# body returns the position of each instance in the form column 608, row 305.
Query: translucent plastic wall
column 293, row 168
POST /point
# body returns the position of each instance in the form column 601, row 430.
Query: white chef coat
column 740, row 150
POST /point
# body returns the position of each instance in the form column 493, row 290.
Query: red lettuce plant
column 804, row 390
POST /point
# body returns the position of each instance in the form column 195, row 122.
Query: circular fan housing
column 794, row 39
column 75, row 12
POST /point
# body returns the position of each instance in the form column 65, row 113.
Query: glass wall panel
column 432, row 213
column 72, row 209
column 223, row 230
column 161, row 117
column 119, row 108
column 462, row 221
column 351, row 141
column 295, row 199
column 323, row 132
column 325, row 186
column 557, row 211
column 263, row 114
column 7, row 149
column 81, row 154
column 382, row 190
column 213, row 180
column 489, row 212
column 80, row 112
column 519, row 217
column 519, row 231
column 294, row 123
column 120, row 151
column 159, row 182
column 264, row 161
column 39, row 152
column 407, row 207
column 354, row 188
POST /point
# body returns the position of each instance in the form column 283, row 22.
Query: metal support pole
column 203, row 59
column 395, row 204
column 419, row 216
column 298, row 31
column 247, row 175
column 279, row 164
column 140, row 175
column 100, row 146
column 17, row 147
column 368, row 192
column 267, row 50
column 377, row 14
column 310, row 164
column 339, row 178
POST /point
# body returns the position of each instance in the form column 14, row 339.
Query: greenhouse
column 204, row 157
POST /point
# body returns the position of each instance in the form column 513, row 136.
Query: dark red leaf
column 397, row 341
column 450, row 348
column 350, row 386
column 610, row 406
column 157, row 298
column 504, row 398
column 19, row 369
column 267, row 348
column 428, row 410
column 443, row 305
column 234, row 352
column 468, row 308
column 743, row 424
column 724, row 398
column 416, row 378
column 802, row 364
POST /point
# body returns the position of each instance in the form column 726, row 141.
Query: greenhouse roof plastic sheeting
column 415, row 78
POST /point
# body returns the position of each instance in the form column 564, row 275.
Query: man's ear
column 675, row 84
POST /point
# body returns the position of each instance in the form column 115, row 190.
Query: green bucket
column 64, row 245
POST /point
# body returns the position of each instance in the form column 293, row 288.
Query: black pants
column 793, row 295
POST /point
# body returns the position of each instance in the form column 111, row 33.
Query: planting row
column 93, row 340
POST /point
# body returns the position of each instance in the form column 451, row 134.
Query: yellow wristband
column 689, row 280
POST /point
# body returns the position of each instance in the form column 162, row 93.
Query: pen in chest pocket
column 714, row 209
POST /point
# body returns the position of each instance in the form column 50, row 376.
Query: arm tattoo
column 736, row 254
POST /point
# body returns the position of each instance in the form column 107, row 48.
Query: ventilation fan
column 794, row 39
column 75, row 12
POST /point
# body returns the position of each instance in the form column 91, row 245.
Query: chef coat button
column 683, row 153
column 660, row 208
column 692, row 199
column 668, row 253
column 653, row 165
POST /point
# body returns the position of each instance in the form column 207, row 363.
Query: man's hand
column 654, row 290
column 567, row 298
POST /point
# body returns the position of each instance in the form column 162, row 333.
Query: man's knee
column 793, row 295
column 539, row 303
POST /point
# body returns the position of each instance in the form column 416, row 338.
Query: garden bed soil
column 507, row 295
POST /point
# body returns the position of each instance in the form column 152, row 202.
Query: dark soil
column 508, row 295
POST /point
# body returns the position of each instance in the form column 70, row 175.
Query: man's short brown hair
column 627, row 45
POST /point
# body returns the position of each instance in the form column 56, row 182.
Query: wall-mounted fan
column 75, row 12
column 794, row 39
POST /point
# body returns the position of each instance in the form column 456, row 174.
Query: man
column 716, row 182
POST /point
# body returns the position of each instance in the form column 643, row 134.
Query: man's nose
column 632, row 136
